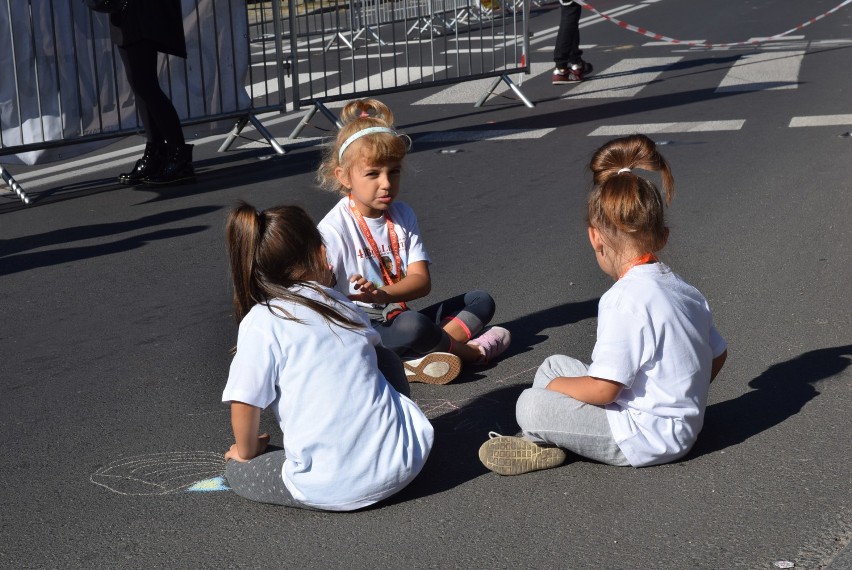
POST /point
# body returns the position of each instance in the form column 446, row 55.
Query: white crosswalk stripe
column 821, row 121
column 624, row 79
column 469, row 92
column 681, row 127
column 483, row 135
column 763, row 71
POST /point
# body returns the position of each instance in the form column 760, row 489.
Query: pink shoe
column 492, row 343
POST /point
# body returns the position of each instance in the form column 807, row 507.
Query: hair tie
column 361, row 133
column 624, row 170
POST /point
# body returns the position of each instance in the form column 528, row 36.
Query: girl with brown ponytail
column 351, row 436
column 642, row 400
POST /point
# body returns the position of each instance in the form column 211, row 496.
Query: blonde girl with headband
column 642, row 400
column 376, row 252
column 351, row 437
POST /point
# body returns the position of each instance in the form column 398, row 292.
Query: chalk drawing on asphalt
column 163, row 473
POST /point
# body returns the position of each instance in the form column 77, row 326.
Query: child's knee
column 528, row 407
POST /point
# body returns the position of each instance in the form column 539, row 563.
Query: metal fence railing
column 64, row 84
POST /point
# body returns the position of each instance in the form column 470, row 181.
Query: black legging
column 415, row 333
column 159, row 117
column 567, row 50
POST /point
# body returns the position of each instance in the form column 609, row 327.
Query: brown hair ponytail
column 624, row 204
column 270, row 252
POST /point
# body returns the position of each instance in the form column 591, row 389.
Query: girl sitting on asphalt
column 375, row 250
column 351, row 438
column 642, row 400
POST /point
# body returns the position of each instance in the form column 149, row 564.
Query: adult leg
column 550, row 417
column 158, row 115
column 139, row 64
column 567, row 50
column 260, row 480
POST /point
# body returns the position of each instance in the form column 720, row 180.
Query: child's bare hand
column 362, row 285
column 233, row 452
column 367, row 291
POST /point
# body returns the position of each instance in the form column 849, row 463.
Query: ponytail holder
column 361, row 133
column 624, row 170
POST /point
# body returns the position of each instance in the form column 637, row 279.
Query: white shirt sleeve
column 622, row 347
column 254, row 369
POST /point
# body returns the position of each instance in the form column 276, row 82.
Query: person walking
column 570, row 67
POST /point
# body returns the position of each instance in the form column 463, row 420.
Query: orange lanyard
column 377, row 256
column 641, row 260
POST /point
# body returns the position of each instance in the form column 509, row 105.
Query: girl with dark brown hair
column 351, row 436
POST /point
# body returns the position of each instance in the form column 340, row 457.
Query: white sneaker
column 434, row 368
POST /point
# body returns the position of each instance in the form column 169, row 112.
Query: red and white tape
column 663, row 38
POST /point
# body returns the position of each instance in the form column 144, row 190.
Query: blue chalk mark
column 207, row 485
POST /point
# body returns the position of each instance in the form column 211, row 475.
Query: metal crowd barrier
column 369, row 47
column 64, row 90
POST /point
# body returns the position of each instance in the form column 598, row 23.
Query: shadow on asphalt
column 458, row 435
column 779, row 393
column 232, row 169
column 526, row 330
column 14, row 259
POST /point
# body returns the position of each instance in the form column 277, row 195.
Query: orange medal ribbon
column 377, row 256
column 641, row 260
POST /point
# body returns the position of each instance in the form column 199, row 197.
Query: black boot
column 149, row 165
column 177, row 167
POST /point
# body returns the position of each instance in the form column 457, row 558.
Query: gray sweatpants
column 546, row 416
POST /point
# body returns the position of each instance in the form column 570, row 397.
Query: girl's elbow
column 608, row 394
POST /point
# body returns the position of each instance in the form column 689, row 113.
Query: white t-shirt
column 655, row 336
column 350, row 439
column 349, row 253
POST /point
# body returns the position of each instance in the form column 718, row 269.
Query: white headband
column 623, row 170
column 361, row 133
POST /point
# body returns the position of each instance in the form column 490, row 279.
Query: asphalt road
column 116, row 322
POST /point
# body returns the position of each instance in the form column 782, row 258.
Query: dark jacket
column 159, row 22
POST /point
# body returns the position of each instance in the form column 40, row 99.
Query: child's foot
column 491, row 343
column 434, row 368
column 510, row 455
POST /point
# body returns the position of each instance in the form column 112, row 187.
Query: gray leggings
column 261, row 479
column 546, row 416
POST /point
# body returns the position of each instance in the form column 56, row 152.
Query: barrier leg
column 266, row 134
column 511, row 85
column 13, row 184
column 339, row 36
column 318, row 106
column 240, row 125
column 235, row 132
